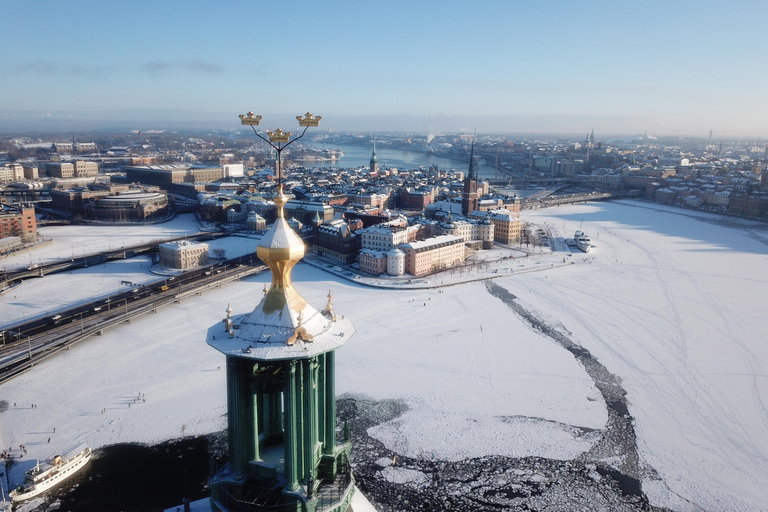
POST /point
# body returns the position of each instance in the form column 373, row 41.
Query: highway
column 23, row 347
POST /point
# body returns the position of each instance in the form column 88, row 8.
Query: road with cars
column 23, row 346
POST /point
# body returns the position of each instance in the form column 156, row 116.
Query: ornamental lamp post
column 279, row 140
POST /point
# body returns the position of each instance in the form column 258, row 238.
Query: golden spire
column 281, row 248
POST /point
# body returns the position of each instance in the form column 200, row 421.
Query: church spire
column 374, row 160
column 472, row 171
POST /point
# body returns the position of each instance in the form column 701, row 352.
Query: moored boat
column 582, row 241
column 51, row 472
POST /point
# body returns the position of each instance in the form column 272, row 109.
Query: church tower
column 280, row 361
column 374, row 160
column 469, row 200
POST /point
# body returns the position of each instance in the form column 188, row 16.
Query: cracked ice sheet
column 435, row 357
column 397, row 475
column 672, row 302
column 461, row 363
column 424, row 432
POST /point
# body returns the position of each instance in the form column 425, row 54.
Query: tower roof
column 283, row 325
column 373, row 155
column 472, row 175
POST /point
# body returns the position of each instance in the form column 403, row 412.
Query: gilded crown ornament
column 250, row 119
column 279, row 136
column 309, row 120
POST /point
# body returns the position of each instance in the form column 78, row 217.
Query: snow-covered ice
column 672, row 301
column 79, row 240
column 669, row 300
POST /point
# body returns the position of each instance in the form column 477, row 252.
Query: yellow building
column 507, row 226
column 426, row 256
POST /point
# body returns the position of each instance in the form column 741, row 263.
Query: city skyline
column 546, row 67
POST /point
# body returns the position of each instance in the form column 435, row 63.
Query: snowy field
column 668, row 300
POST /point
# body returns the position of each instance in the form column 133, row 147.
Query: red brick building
column 18, row 221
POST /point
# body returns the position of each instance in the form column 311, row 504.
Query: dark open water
column 130, row 477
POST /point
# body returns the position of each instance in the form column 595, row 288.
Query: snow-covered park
column 668, row 300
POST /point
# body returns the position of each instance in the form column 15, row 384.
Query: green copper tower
column 283, row 451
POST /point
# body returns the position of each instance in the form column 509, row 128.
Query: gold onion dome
column 283, row 325
column 281, row 248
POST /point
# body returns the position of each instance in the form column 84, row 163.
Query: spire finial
column 329, row 307
column 228, row 319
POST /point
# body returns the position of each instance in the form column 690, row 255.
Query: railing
column 332, row 493
column 258, row 498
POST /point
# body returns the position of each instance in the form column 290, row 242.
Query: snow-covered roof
column 264, row 338
column 283, row 325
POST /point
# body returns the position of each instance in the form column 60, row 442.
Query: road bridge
column 24, row 346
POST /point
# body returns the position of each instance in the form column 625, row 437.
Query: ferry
column 582, row 242
column 47, row 475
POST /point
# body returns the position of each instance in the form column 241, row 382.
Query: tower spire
column 472, row 171
column 374, row 159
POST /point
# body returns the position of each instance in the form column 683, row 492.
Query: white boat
column 50, row 473
column 582, row 242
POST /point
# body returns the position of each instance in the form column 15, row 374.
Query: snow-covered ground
column 48, row 296
column 669, row 301
column 78, row 240
column 672, row 302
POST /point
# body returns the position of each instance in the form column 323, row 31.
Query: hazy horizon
column 538, row 67
column 145, row 121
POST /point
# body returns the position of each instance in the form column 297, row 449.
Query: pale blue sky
column 668, row 67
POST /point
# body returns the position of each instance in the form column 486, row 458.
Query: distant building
column 233, row 170
column 69, row 148
column 433, row 254
column 380, row 238
column 72, row 201
column 506, row 225
column 167, row 175
column 373, row 199
column 130, row 206
column 11, row 172
column 415, row 199
column 373, row 262
column 77, row 169
column 18, row 221
column 9, row 244
column 85, row 169
column 255, row 222
column 337, row 241
column 183, row 254
column 234, row 215
column 305, row 211
column 749, row 205
column 30, row 172
column 665, row 195
column 468, row 231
